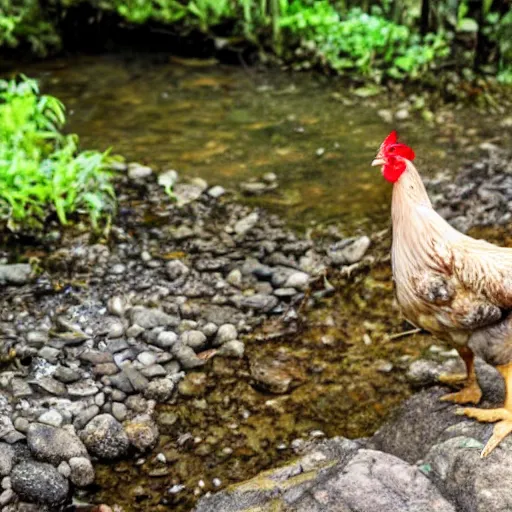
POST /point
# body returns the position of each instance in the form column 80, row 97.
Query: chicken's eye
column 391, row 150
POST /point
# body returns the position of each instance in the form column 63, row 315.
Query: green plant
column 40, row 168
column 367, row 44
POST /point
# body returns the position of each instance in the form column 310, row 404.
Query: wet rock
column 187, row 193
column 176, row 269
column 105, row 437
column 82, row 389
column 160, row 390
column 166, row 339
column 193, row 339
column 137, row 380
column 7, row 456
column 82, row 472
column 116, row 305
column 216, row 191
column 67, row 375
column 274, row 375
column 253, row 187
column 234, row 278
column 349, row 251
column 50, row 444
column 138, row 172
column 260, row 302
column 194, row 384
column 15, row 273
column 225, row 333
column 38, row 482
column 335, row 476
column 50, row 385
column 233, row 348
column 186, row 356
column 85, row 416
column 298, row 280
column 142, row 432
column 247, row 223
column 119, row 411
column 152, row 317
column 52, row 418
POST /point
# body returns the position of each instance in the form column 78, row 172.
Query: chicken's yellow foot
column 452, row 379
column 503, row 415
column 470, row 394
column 501, row 430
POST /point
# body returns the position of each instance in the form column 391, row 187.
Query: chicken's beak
column 378, row 161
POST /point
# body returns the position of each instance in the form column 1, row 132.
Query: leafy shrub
column 40, row 168
column 363, row 43
column 23, row 22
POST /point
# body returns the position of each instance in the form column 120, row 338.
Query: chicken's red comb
column 392, row 138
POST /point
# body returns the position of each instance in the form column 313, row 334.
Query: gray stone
column 260, row 302
column 166, row 339
column 216, row 191
column 186, row 193
column 142, row 432
column 50, row 385
column 137, row 380
column 176, row 269
column 168, row 179
column 52, row 418
column 298, row 280
column 134, row 331
column 85, row 416
column 105, row 437
column 67, row 375
column 334, row 476
column 119, row 411
column 246, row 224
column 234, row 278
column 152, row 317
column 50, row 444
column 116, row 305
column 186, row 356
column 349, row 251
column 193, row 339
column 233, row 348
column 7, row 455
column 226, row 332
column 36, row 338
column 96, row 357
column 155, row 370
column 159, row 390
column 82, row 472
column 20, row 388
column 38, row 482
column 64, row 469
column 82, row 389
column 147, row 358
column 15, row 273
column 139, row 172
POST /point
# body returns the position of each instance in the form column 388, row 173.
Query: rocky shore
column 103, row 332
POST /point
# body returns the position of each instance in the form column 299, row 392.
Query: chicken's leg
column 503, row 415
column 471, row 392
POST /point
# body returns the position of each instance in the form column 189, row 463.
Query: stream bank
column 148, row 341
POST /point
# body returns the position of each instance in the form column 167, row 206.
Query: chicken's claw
column 451, row 379
column 470, row 394
column 501, row 429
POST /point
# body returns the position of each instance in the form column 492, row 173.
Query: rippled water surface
column 230, row 124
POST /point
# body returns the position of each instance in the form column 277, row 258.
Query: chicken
column 454, row 286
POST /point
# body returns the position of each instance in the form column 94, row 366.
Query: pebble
column 51, row 444
column 298, row 280
column 349, row 251
column 39, row 482
column 142, row 432
column 226, row 332
column 119, row 411
column 234, row 278
column 139, row 172
column 193, row 339
column 105, row 437
column 51, row 417
column 152, row 317
column 81, row 471
column 247, row 223
column 159, row 390
column 216, row 191
column 233, row 348
column 146, row 358
column 7, row 455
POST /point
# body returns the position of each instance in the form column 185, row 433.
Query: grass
column 41, row 169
